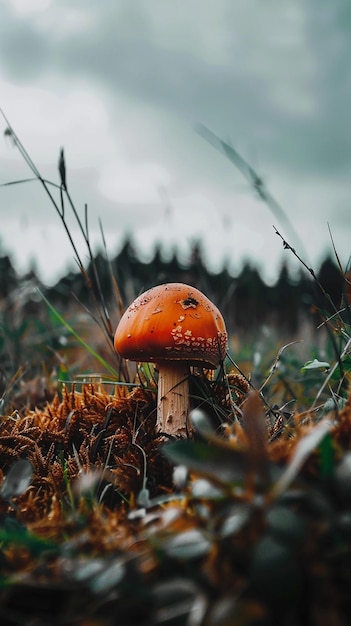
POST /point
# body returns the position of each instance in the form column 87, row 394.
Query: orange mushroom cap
column 172, row 322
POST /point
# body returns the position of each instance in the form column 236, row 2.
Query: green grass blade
column 83, row 343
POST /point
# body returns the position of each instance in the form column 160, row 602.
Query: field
column 106, row 519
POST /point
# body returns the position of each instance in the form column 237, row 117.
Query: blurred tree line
column 30, row 335
column 245, row 300
column 35, row 344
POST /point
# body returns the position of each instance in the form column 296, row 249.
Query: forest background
column 290, row 309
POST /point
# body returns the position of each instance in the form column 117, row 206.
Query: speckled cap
column 172, row 322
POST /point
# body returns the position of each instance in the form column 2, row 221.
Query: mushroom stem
column 173, row 399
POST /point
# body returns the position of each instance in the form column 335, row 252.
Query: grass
column 103, row 523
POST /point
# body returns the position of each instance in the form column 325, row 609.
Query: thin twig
column 252, row 386
column 287, row 246
column 276, row 361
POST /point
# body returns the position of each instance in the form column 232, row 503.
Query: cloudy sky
column 122, row 84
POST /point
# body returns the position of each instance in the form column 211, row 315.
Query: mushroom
column 175, row 326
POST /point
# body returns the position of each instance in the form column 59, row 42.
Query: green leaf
column 83, row 343
column 346, row 368
column 20, row 536
column 316, row 365
column 63, row 375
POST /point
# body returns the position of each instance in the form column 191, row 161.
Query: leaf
column 285, row 525
column 346, row 368
column 316, row 365
column 187, row 545
column 112, row 575
column 275, row 569
column 17, row 479
column 204, row 489
column 180, row 476
column 63, row 375
column 303, row 449
column 179, row 601
column 201, row 423
column 220, row 464
column 88, row 569
column 235, row 520
column 335, row 403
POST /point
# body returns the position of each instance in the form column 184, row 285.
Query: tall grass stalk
column 102, row 316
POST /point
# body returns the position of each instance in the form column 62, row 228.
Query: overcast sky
column 121, row 85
